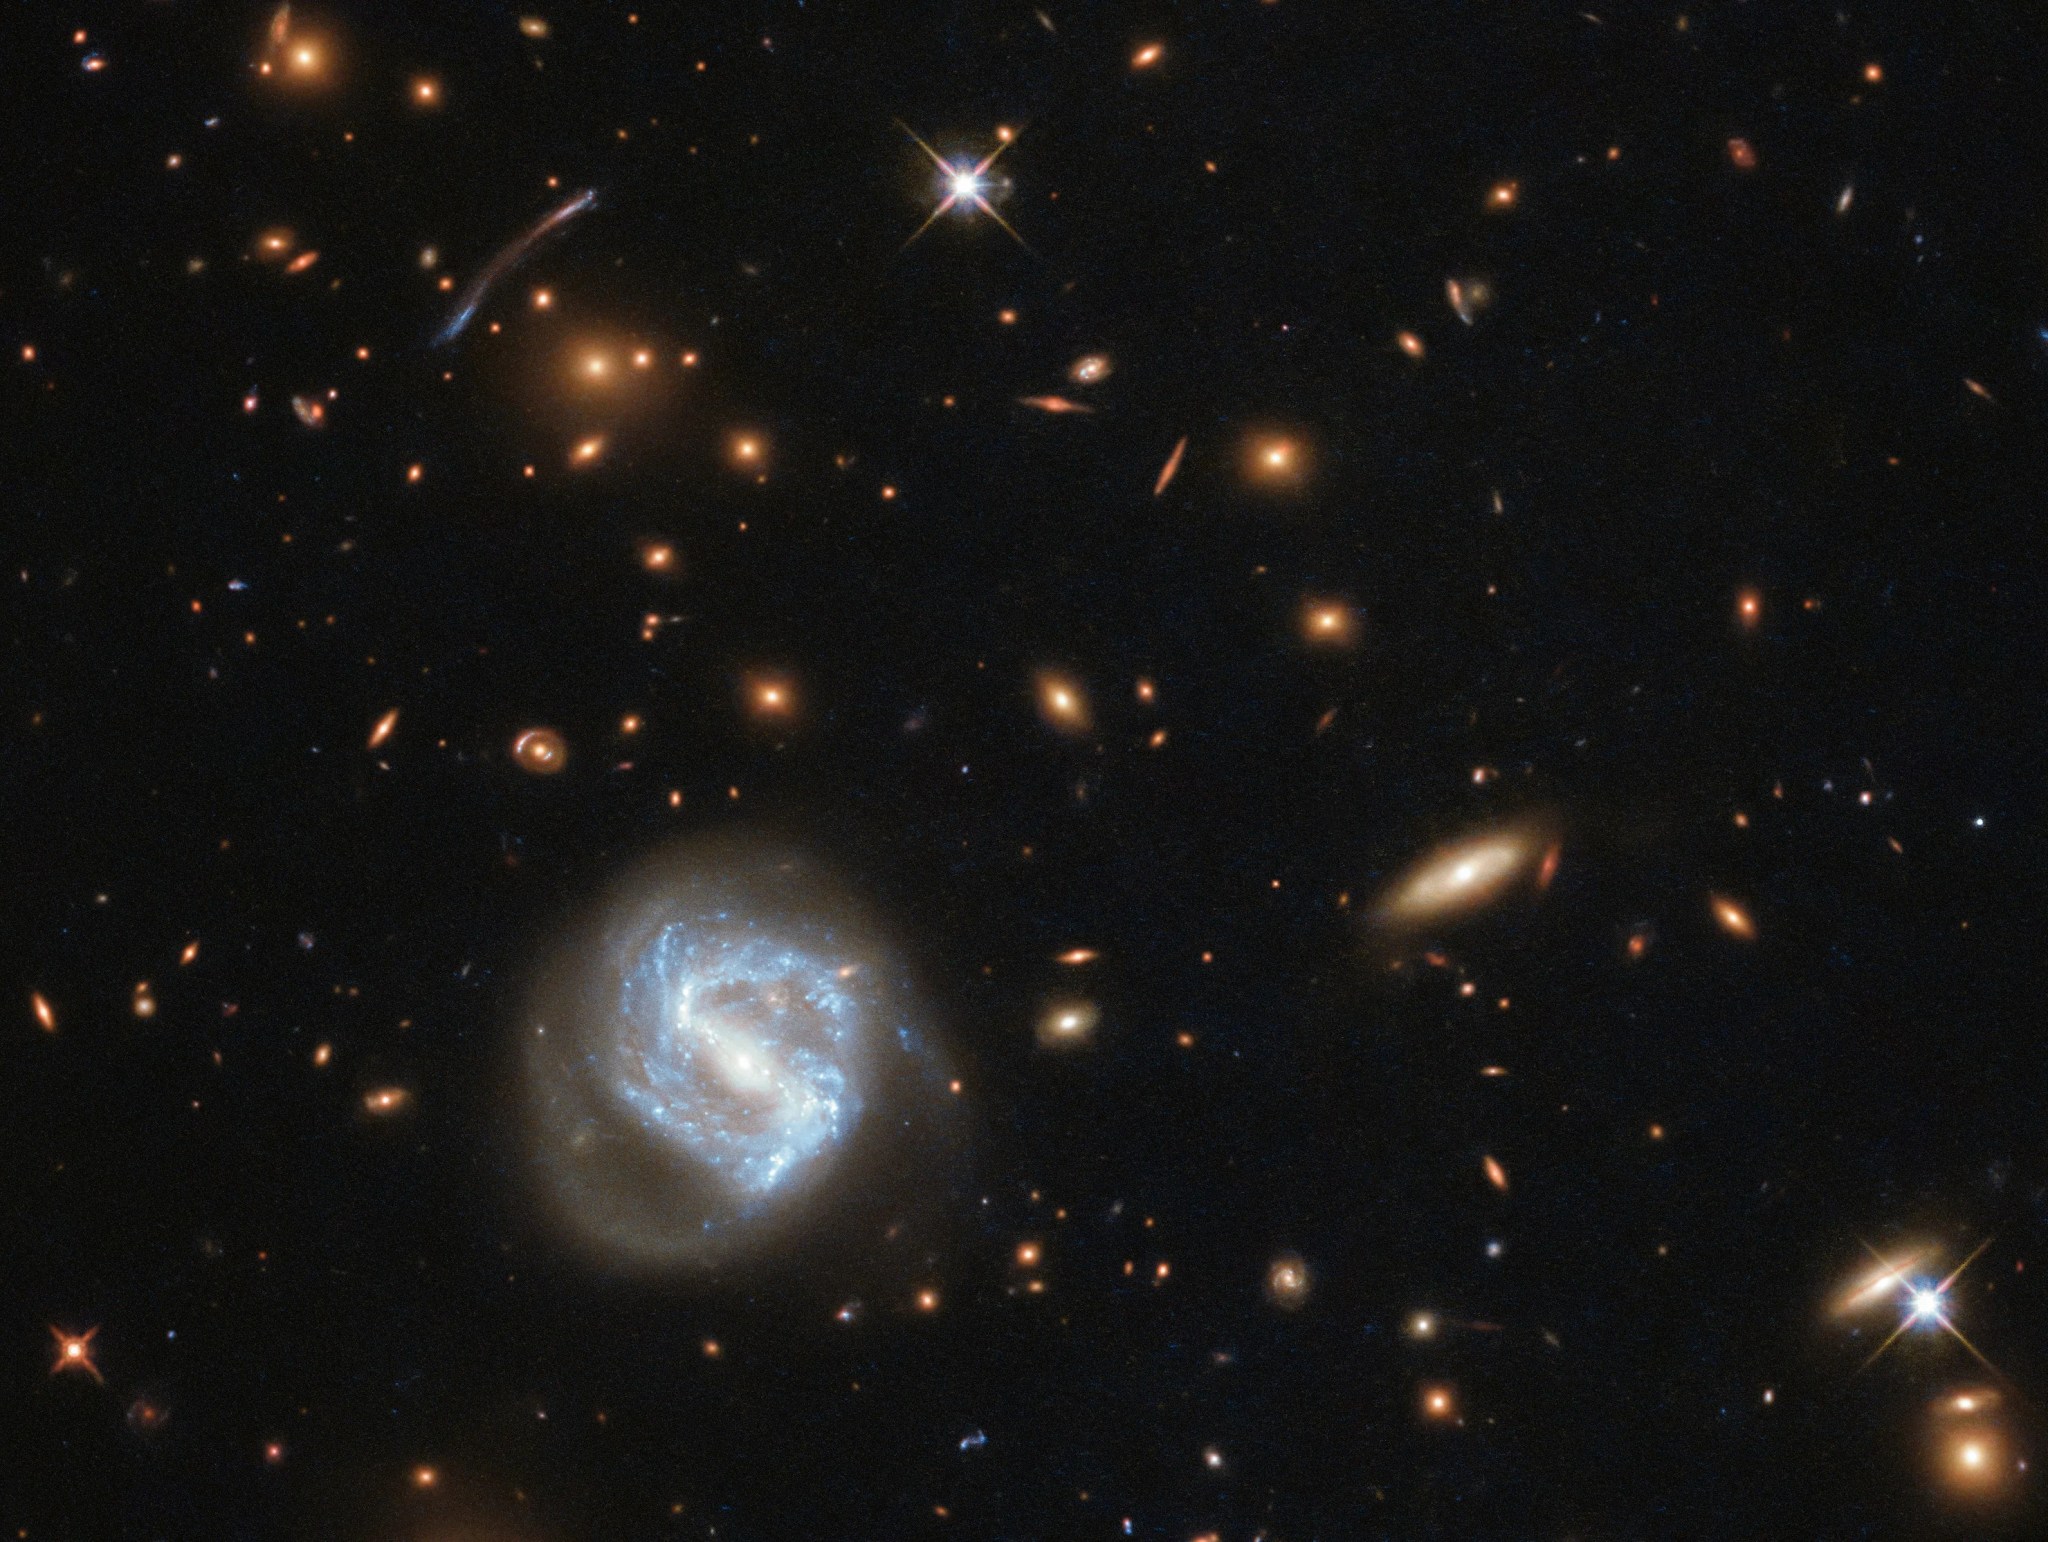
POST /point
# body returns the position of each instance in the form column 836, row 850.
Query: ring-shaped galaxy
column 702, row 1061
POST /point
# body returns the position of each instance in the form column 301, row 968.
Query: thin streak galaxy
column 509, row 257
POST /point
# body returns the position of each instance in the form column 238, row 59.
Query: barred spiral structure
column 727, row 1038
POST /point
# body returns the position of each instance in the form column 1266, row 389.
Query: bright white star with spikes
column 1924, row 1303
column 964, row 184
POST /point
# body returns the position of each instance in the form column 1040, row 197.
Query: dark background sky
column 1696, row 379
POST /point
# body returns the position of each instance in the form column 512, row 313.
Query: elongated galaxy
column 701, row 1062
column 510, row 256
column 1467, row 875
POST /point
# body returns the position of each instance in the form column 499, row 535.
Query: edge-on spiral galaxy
column 728, row 1038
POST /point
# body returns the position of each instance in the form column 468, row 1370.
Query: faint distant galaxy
column 705, row 1062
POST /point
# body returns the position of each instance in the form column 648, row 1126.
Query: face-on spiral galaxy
column 730, row 1035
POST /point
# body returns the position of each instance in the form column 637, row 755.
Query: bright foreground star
column 74, row 1353
column 1925, row 1302
column 964, row 184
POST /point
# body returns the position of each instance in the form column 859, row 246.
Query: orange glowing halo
column 541, row 751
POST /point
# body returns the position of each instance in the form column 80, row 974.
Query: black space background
column 1789, row 413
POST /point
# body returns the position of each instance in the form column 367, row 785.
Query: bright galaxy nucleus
column 1466, row 876
column 727, row 1038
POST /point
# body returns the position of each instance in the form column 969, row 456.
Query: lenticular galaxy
column 1461, row 878
column 706, row 1062
column 1464, row 877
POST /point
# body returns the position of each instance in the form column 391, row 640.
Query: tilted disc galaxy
column 1457, row 879
column 706, row 1056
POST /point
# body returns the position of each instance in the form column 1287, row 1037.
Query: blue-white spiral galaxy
column 725, row 1038
column 737, row 1048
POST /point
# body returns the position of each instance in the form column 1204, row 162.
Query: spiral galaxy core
column 730, row 1033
